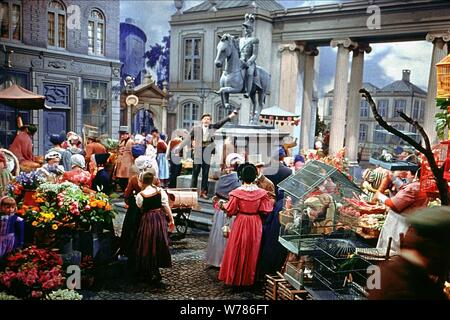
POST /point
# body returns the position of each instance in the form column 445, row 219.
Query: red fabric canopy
column 22, row 99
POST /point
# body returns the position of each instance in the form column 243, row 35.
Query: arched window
column 96, row 33
column 191, row 114
column 11, row 20
column 221, row 113
column 56, row 24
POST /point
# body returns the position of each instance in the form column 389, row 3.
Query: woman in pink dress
column 247, row 202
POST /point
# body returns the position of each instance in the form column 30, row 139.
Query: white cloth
column 392, row 227
column 205, row 133
column 150, row 190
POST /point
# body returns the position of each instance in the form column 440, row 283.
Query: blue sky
column 382, row 66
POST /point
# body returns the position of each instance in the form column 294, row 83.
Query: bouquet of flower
column 97, row 210
column 65, row 294
column 339, row 162
column 66, row 205
column 31, row 180
column 31, row 273
column 58, row 206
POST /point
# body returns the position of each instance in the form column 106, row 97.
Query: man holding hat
column 102, row 180
column 22, row 146
column 202, row 137
column 57, row 141
column 124, row 159
column 424, row 262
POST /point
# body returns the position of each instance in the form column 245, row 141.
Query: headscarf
column 143, row 163
column 78, row 160
column 52, row 155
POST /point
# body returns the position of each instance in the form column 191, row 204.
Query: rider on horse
column 248, row 51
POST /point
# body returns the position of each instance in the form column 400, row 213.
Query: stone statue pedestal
column 256, row 142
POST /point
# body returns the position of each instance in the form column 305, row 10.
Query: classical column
column 289, row 75
column 440, row 48
column 337, row 130
column 307, row 128
column 354, row 101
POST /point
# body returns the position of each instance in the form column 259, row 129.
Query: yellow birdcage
column 443, row 78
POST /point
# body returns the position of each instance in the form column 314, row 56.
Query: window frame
column 88, row 97
column 56, row 13
column 365, row 108
column 192, row 37
column 385, row 112
column 192, row 121
column 415, row 112
column 330, row 107
column 395, row 115
column 378, row 135
column 10, row 5
column 96, row 22
column 366, row 131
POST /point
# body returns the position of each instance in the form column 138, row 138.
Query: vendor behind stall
column 408, row 199
column 22, row 147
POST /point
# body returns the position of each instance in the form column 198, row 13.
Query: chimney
column 406, row 75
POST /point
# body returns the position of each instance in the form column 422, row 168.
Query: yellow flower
column 55, row 227
column 34, row 223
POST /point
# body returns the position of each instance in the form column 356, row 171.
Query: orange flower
column 35, row 208
column 21, row 212
column 101, row 204
column 108, row 207
column 93, row 204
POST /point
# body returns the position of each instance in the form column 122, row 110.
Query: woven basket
column 285, row 217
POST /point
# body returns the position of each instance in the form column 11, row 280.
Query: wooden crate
column 271, row 286
column 287, row 292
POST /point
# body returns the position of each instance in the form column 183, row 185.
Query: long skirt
column 152, row 243
column 241, row 253
column 129, row 230
column 273, row 254
column 163, row 166
column 6, row 244
column 216, row 240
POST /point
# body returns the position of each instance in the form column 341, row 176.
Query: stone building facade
column 68, row 51
column 290, row 51
column 400, row 95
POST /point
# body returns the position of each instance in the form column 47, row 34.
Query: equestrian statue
column 241, row 74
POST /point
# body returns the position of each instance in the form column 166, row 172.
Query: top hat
column 101, row 158
column 123, row 129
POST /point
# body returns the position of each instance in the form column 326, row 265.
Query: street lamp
column 203, row 93
column 131, row 100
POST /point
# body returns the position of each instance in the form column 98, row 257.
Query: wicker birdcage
column 443, row 78
column 442, row 156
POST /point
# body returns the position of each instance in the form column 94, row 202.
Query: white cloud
column 394, row 57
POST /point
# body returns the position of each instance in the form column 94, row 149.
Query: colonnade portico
column 354, row 98
column 297, row 85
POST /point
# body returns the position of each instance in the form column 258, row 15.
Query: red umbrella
column 17, row 97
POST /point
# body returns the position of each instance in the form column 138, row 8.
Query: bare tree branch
column 386, row 126
column 438, row 173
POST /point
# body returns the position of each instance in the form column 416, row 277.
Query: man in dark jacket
column 277, row 171
column 202, row 137
column 102, row 180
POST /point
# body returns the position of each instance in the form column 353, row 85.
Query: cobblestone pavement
column 189, row 278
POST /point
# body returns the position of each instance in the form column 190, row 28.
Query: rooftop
column 269, row 5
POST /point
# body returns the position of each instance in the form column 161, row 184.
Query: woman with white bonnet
column 226, row 183
column 52, row 169
column 131, row 221
column 78, row 175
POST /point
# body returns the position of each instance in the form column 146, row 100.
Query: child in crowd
column 11, row 227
